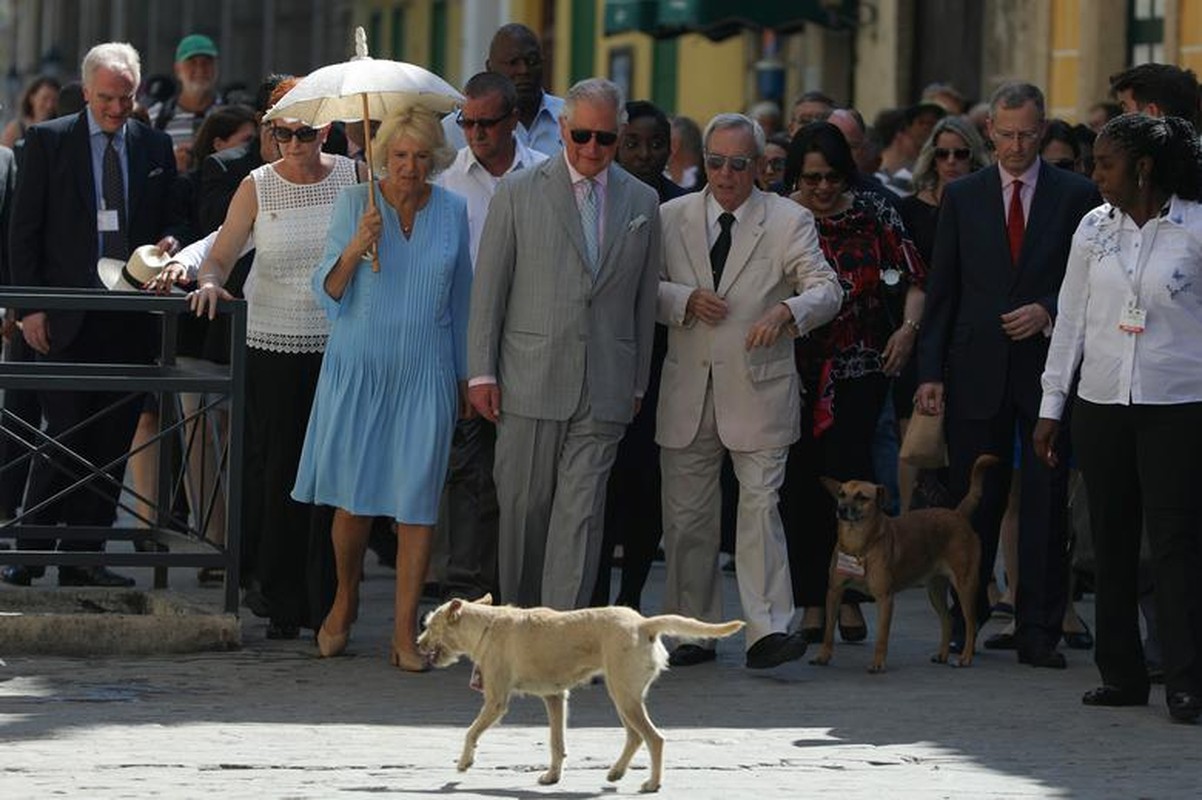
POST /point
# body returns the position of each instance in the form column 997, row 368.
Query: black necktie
column 721, row 248
column 113, row 190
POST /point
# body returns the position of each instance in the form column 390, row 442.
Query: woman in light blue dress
column 391, row 384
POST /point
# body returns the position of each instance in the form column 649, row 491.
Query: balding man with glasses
column 743, row 275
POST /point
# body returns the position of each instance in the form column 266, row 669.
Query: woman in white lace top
column 285, row 208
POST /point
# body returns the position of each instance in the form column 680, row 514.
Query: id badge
column 107, row 220
column 1133, row 319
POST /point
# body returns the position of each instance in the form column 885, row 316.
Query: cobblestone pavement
column 272, row 720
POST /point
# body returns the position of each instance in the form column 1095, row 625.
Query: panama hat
column 130, row 276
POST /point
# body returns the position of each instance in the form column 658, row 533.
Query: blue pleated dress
column 379, row 435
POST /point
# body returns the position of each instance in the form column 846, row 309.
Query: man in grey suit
column 743, row 274
column 559, row 345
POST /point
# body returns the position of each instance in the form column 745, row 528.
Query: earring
column 1139, row 180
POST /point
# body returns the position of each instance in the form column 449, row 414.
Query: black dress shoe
column 813, row 635
column 1184, row 706
column 686, row 655
column 282, row 630
column 1079, row 640
column 254, row 600
column 855, row 632
column 1000, row 641
column 775, row 649
column 1049, row 659
column 21, row 575
column 1115, row 696
column 955, row 646
column 92, row 576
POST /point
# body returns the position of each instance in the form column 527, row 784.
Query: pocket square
column 154, row 173
column 637, row 223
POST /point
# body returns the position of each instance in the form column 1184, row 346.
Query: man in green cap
column 181, row 116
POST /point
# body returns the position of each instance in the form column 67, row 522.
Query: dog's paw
column 615, row 774
column 549, row 777
column 821, row 660
column 464, row 763
column 963, row 662
column 876, row 669
column 649, row 785
column 939, row 658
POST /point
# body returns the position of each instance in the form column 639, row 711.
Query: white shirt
column 1110, row 255
column 542, row 135
column 1029, row 179
column 468, row 177
column 713, row 210
column 600, row 186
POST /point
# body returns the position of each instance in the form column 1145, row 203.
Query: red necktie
column 1015, row 224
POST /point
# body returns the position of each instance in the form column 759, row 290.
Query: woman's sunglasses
column 604, row 138
column 304, row 134
column 815, row 178
column 958, row 153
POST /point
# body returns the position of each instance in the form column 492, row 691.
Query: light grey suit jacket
column 539, row 322
column 774, row 258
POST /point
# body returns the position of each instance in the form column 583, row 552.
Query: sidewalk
column 272, row 720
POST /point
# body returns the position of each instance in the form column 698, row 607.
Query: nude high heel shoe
column 331, row 644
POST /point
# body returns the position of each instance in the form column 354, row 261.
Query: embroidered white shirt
column 1113, row 262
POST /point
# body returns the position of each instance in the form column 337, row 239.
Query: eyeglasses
column 1065, row 163
column 303, row 134
column 715, row 162
column 481, row 122
column 604, row 138
column 776, row 164
column 815, row 178
column 958, row 153
column 1025, row 137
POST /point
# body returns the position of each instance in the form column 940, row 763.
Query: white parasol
column 364, row 88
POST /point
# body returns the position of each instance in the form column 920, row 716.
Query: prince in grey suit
column 559, row 345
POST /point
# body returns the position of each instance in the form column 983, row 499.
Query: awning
column 720, row 19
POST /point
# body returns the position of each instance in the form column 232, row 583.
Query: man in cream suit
column 743, row 274
column 559, row 345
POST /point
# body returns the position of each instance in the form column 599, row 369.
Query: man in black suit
column 1000, row 252
column 93, row 184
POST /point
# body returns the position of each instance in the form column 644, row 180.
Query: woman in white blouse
column 1130, row 316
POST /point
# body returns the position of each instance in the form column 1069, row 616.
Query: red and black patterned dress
column 876, row 262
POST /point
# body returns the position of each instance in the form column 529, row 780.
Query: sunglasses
column 737, row 163
column 815, row 178
column 1065, row 163
column 584, row 136
column 304, row 134
column 776, row 164
column 481, row 122
column 957, row 153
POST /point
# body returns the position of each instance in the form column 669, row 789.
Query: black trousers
column 1043, row 559
column 1141, row 465
column 472, row 512
column 279, row 532
column 22, row 404
column 112, row 338
column 842, row 452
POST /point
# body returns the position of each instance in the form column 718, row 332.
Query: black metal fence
column 168, row 535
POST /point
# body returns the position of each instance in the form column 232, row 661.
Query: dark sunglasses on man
column 303, row 134
column 481, row 122
column 584, row 136
column 716, row 162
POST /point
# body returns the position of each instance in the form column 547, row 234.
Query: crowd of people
column 554, row 327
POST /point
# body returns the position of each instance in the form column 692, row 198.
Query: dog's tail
column 676, row 625
column 976, row 486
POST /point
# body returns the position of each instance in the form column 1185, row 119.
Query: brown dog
column 882, row 555
column 544, row 652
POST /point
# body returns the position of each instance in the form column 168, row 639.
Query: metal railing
column 169, row 538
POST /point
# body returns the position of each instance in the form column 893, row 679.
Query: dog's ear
column 831, row 485
column 486, row 600
column 454, row 610
column 882, row 496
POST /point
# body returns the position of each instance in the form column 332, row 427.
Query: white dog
column 544, row 652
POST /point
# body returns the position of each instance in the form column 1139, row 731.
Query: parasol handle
column 371, row 174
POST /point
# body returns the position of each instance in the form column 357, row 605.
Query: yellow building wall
column 642, row 52
column 1065, row 59
column 1191, row 35
column 711, row 76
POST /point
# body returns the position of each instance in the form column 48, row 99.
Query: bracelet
column 911, row 324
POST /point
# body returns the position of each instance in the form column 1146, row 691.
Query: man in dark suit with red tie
column 95, row 184
column 1000, row 252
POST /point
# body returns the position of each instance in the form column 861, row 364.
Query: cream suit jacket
column 774, row 258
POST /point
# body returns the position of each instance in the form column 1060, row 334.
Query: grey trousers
column 692, row 531
column 550, row 477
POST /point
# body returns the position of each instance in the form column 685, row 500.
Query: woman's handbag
column 924, row 445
